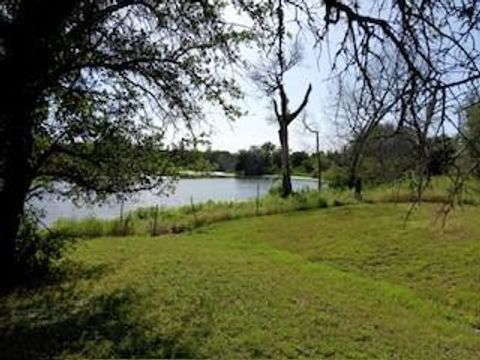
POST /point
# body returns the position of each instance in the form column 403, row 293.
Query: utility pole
column 319, row 159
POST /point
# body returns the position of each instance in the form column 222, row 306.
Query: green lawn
column 345, row 282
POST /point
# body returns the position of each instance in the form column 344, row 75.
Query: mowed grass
column 347, row 282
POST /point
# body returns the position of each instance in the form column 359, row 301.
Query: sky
column 255, row 128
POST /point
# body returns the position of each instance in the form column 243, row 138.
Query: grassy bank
column 152, row 221
column 439, row 190
column 343, row 282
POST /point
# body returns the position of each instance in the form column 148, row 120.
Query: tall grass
column 439, row 190
column 175, row 220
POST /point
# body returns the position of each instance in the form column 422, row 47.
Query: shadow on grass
column 58, row 321
column 66, row 271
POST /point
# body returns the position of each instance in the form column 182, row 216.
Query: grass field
column 342, row 282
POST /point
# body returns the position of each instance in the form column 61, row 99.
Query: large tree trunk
column 23, row 77
column 17, row 101
column 16, row 149
column 286, row 177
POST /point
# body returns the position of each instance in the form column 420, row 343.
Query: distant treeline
column 388, row 154
column 257, row 160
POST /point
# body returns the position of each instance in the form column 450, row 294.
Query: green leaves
column 112, row 76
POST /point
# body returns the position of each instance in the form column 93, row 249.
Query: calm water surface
column 200, row 190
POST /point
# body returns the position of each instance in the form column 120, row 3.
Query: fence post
column 121, row 211
column 257, row 202
column 155, row 221
column 194, row 211
column 122, row 227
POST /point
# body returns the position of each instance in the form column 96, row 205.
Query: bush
column 322, row 203
column 337, row 203
column 337, row 177
column 38, row 252
column 301, row 200
column 275, row 189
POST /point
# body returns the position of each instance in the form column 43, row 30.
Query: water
column 200, row 190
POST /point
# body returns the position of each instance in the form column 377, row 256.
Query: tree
column 442, row 155
column 222, row 160
column 387, row 155
column 271, row 79
column 298, row 158
column 256, row 160
column 428, row 48
column 88, row 87
column 471, row 137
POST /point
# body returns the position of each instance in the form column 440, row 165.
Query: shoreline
column 191, row 174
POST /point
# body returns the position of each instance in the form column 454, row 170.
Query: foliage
column 442, row 155
column 38, row 252
column 221, row 160
column 303, row 163
column 89, row 89
column 258, row 160
column 388, row 154
column 472, row 137
column 337, row 177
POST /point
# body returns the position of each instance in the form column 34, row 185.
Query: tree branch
column 294, row 115
column 275, row 108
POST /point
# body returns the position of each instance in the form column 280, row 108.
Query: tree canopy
column 89, row 87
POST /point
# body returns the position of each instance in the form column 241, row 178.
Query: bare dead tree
column 270, row 77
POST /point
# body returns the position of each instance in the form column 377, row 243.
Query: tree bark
column 16, row 150
column 286, row 179
column 18, row 95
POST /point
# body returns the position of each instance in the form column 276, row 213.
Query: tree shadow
column 60, row 321
column 67, row 271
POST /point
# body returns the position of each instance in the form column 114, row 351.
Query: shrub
column 275, row 190
column 38, row 252
column 336, row 177
column 301, row 200
column 322, row 203
column 337, row 203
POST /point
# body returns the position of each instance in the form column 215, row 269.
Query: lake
column 200, row 190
